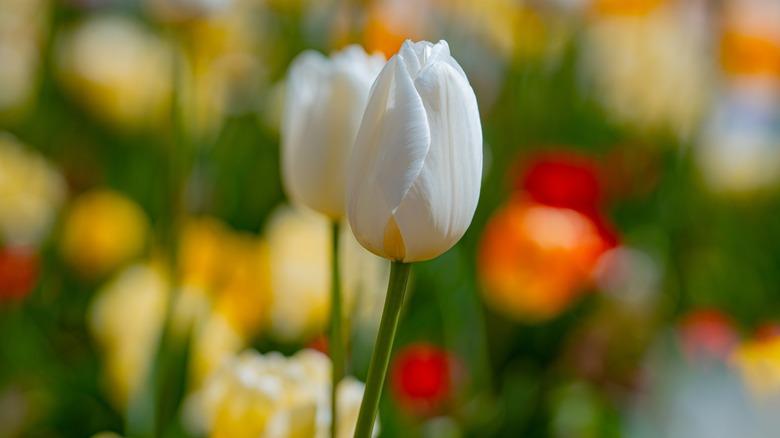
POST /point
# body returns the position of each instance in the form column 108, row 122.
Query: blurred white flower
column 326, row 98
column 415, row 173
column 273, row 396
column 651, row 70
column 299, row 245
column 31, row 193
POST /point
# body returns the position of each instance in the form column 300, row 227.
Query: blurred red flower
column 422, row 378
column 564, row 180
column 18, row 272
column 707, row 334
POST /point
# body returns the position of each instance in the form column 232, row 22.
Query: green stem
column 380, row 359
column 336, row 341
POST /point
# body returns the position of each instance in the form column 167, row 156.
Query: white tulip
column 325, row 101
column 414, row 178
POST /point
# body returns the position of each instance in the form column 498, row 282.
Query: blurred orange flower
column 534, row 260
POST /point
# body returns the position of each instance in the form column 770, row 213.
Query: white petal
column 302, row 95
column 389, row 152
column 439, row 207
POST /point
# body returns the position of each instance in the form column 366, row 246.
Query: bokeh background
column 620, row 277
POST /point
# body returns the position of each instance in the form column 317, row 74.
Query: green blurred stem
column 380, row 359
column 336, row 341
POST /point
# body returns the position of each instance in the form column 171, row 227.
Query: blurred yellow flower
column 119, row 70
column 759, row 362
column 229, row 267
column 228, row 273
column 270, row 395
column 243, row 299
column 125, row 318
column 299, row 254
column 31, row 193
column 103, row 230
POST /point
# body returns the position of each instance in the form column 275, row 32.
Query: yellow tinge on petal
column 394, row 241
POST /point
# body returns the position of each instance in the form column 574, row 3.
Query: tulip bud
column 414, row 178
column 324, row 104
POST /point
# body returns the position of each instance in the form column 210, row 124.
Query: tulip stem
column 336, row 341
column 380, row 359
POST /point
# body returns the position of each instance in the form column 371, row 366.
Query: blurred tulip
column 270, row 395
column 534, row 260
column 415, row 173
column 119, row 70
column 630, row 44
column 18, row 272
column 103, row 230
column 31, row 193
column 326, row 98
column 225, row 292
column 563, row 180
column 244, row 298
column 707, row 335
column 299, row 241
column 422, row 378
column 125, row 318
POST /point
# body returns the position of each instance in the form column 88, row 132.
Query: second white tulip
column 324, row 104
